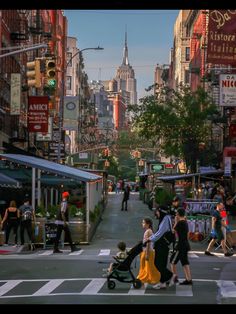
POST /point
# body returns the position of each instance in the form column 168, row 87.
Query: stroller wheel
column 111, row 284
column 137, row 284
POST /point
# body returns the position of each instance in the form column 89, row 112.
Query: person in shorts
column 217, row 233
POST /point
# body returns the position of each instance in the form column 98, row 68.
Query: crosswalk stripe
column 227, row 289
column 94, row 286
column 48, row 252
column 76, row 252
column 192, row 255
column 104, row 252
column 49, row 287
column 140, row 291
column 184, row 291
column 10, row 284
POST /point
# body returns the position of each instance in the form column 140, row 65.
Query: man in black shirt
column 182, row 247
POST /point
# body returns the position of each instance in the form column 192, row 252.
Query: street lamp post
column 63, row 94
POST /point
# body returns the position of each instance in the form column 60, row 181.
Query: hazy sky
column 150, row 37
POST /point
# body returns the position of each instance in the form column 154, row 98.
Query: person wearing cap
column 161, row 247
column 62, row 224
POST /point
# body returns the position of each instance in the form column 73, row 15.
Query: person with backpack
column 181, row 247
column 27, row 215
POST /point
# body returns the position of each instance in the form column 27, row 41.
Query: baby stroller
column 121, row 271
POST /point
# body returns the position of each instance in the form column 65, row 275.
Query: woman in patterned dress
column 148, row 273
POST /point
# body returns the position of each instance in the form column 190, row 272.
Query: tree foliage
column 179, row 120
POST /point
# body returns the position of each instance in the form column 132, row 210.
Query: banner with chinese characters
column 221, row 47
column 15, row 93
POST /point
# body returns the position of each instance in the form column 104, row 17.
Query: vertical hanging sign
column 38, row 114
column 15, row 93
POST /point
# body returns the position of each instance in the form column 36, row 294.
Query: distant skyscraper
column 125, row 76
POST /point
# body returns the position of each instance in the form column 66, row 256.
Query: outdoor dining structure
column 46, row 180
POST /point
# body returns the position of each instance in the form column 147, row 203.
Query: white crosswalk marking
column 49, row 287
column 227, row 289
column 140, row 291
column 104, row 252
column 76, row 252
column 94, row 286
column 8, row 286
column 48, row 252
column 192, row 255
column 184, row 291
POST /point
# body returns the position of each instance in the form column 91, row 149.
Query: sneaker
column 57, row 251
column 186, row 283
column 75, row 249
column 173, row 280
column 160, row 286
column 209, row 253
column 229, row 254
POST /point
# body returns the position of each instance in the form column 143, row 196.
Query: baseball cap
column 65, row 194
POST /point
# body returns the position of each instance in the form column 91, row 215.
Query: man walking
column 217, row 224
column 125, row 197
column 27, row 214
column 62, row 224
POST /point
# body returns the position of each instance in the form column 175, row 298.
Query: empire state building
column 125, row 76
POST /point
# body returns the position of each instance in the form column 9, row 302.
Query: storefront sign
column 71, row 113
column 221, row 48
column 232, row 130
column 228, row 90
column 38, row 114
column 46, row 137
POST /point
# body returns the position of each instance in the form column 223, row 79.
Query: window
column 69, row 56
column 187, row 53
column 186, row 77
column 68, row 82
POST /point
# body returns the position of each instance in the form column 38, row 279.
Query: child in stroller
column 120, row 256
column 121, row 270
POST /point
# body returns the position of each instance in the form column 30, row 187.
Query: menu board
column 50, row 234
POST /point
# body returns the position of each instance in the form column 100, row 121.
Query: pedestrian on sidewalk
column 62, row 221
column 11, row 218
column 125, row 198
column 181, row 247
column 148, row 273
column 217, row 233
column 27, row 215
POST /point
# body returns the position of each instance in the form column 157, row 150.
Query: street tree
column 178, row 119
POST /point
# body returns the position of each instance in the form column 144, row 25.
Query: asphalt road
column 41, row 277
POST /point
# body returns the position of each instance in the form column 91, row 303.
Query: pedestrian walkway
column 32, row 288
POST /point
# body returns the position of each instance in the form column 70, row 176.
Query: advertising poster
column 228, row 90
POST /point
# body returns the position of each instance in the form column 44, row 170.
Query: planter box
column 78, row 230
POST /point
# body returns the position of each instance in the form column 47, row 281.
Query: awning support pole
column 39, row 187
column 33, row 188
column 87, row 210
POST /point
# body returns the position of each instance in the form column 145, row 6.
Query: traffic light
column 33, row 73
column 51, row 72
